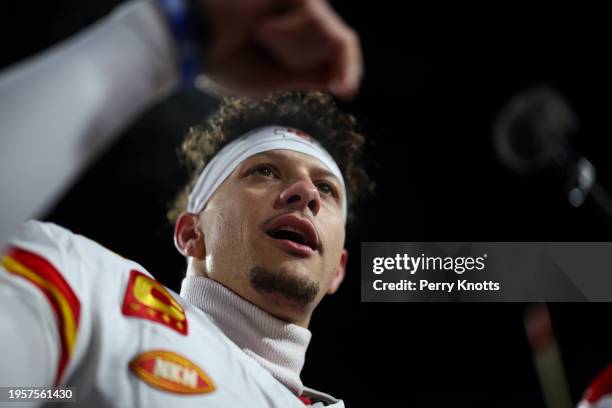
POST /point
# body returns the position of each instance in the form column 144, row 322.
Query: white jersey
column 82, row 316
column 599, row 393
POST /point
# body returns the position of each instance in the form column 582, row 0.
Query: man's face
column 274, row 231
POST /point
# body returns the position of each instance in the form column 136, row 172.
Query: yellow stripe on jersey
column 62, row 299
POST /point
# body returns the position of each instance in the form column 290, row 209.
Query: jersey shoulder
column 74, row 256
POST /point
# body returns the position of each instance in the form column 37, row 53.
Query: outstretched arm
column 58, row 110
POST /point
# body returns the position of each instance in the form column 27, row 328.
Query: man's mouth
column 290, row 234
column 294, row 233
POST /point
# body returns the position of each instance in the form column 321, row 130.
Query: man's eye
column 325, row 188
column 263, row 170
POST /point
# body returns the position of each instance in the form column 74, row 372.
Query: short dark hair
column 315, row 113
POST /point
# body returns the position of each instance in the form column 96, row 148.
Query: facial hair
column 299, row 290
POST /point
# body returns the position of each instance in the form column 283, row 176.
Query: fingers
column 347, row 64
column 348, row 71
column 310, row 38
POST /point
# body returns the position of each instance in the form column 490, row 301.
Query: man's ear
column 188, row 238
column 339, row 273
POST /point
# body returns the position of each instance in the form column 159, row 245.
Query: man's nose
column 299, row 195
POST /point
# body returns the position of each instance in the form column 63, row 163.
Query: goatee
column 300, row 290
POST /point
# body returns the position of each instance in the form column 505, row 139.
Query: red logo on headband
column 296, row 132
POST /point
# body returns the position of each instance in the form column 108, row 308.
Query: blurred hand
column 262, row 46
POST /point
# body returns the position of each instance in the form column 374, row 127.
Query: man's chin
column 292, row 284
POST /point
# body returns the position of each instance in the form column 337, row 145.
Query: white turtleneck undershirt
column 278, row 346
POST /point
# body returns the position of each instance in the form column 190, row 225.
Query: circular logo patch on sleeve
column 168, row 371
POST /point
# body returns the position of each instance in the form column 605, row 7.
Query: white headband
column 257, row 141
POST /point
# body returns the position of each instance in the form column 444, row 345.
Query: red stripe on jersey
column 601, row 386
column 305, row 400
column 64, row 303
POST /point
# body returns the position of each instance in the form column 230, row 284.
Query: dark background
column 435, row 79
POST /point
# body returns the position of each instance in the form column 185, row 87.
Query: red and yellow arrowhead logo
column 171, row 372
column 148, row 299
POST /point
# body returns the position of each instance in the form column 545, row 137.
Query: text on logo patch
column 169, row 371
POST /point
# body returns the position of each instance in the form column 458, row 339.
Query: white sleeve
column 42, row 318
column 45, row 306
column 29, row 344
column 60, row 108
